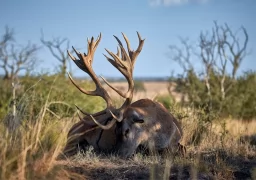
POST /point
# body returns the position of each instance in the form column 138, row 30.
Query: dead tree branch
column 15, row 58
column 59, row 53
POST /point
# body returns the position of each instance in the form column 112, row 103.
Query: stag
column 122, row 129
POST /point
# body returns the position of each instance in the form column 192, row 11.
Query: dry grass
column 31, row 150
column 219, row 155
column 216, row 156
column 225, row 149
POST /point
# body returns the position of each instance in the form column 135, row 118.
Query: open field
column 223, row 149
column 152, row 89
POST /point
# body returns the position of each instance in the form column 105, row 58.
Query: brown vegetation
column 223, row 149
column 217, row 112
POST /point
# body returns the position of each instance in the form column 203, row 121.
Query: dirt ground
column 104, row 168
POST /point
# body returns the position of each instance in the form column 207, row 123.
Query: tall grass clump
column 207, row 131
column 33, row 136
column 216, row 146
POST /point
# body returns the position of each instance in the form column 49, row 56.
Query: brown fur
column 160, row 130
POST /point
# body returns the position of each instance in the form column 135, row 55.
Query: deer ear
column 137, row 118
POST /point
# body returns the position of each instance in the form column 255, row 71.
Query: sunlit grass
column 30, row 150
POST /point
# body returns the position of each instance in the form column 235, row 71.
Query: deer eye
column 138, row 120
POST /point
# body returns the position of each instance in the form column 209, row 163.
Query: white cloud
column 174, row 2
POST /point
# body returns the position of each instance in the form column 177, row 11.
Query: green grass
column 46, row 111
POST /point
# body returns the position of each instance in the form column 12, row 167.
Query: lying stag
column 122, row 129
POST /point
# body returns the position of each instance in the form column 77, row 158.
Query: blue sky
column 161, row 22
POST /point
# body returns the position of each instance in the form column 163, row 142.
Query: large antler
column 124, row 63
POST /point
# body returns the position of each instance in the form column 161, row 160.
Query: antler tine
column 85, row 63
column 118, row 60
column 120, row 45
column 92, row 93
column 91, row 45
column 105, row 127
column 123, row 52
column 87, row 114
column 135, row 53
column 127, row 42
column 109, row 125
column 118, row 51
column 118, row 66
column 125, row 65
column 112, row 87
column 70, row 55
column 119, row 42
column 76, row 61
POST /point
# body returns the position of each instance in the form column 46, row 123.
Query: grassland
column 221, row 149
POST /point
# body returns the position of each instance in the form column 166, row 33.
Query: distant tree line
column 216, row 88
